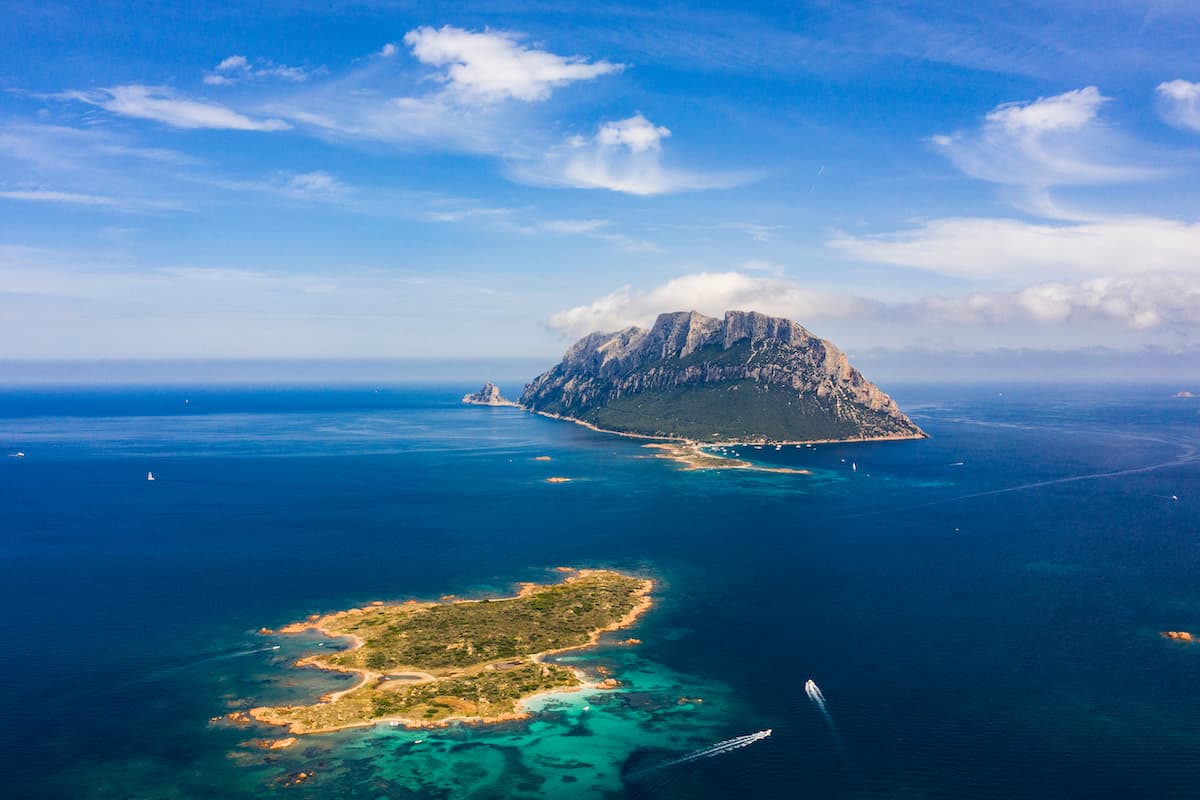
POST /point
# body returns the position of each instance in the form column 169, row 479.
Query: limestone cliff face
column 805, row 386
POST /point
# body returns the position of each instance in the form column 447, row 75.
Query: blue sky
column 393, row 180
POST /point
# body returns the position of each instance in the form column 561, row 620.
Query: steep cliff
column 744, row 378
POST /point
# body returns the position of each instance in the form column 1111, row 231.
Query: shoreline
column 261, row 713
column 683, row 440
column 691, row 454
column 693, row 458
column 500, row 404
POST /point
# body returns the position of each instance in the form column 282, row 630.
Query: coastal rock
column 489, row 395
column 747, row 377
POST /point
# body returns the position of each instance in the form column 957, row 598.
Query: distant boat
column 19, row 454
column 853, row 467
column 149, row 476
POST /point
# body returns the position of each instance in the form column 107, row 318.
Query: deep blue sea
column 980, row 610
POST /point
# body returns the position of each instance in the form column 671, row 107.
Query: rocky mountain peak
column 808, row 387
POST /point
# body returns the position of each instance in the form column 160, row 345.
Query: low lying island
column 427, row 664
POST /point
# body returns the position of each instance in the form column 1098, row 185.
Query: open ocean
column 981, row 610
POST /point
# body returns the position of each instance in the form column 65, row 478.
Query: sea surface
column 981, row 611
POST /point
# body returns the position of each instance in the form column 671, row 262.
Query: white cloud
column 161, row 105
column 1179, row 103
column 49, row 196
column 1068, row 111
column 356, row 111
column 388, row 50
column 711, row 293
column 1011, row 250
column 1138, row 302
column 493, row 65
column 238, row 68
column 756, row 231
column 233, row 64
column 125, row 204
column 468, row 212
column 316, row 185
column 56, row 148
column 1125, row 309
column 1051, row 141
column 635, row 134
column 570, row 226
column 624, row 156
column 600, row 229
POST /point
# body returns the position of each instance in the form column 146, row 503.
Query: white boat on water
column 149, row 476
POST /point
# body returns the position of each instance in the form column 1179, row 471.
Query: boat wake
column 818, row 699
column 718, row 749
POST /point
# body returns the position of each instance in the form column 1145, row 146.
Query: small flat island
column 426, row 664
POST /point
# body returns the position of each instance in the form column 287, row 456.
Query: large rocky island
column 745, row 378
column 425, row 664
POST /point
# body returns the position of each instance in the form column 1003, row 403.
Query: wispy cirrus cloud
column 52, row 196
column 1044, row 143
column 484, row 85
column 476, row 99
column 755, row 230
column 1179, row 103
column 124, row 204
column 162, row 104
column 623, row 156
column 600, row 229
column 59, row 148
column 315, row 186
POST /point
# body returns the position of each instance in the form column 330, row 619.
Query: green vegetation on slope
column 469, row 659
column 745, row 392
column 739, row 410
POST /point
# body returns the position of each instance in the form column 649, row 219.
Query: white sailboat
column 149, row 476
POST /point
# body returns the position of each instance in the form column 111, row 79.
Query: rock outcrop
column 747, row 377
column 489, row 395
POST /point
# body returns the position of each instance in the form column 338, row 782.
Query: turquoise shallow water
column 981, row 610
